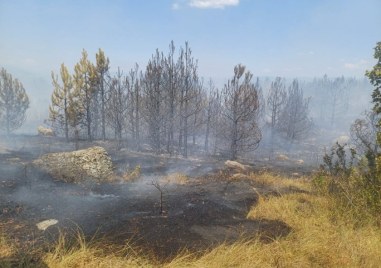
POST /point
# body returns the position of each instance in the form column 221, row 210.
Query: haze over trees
column 166, row 107
column 13, row 102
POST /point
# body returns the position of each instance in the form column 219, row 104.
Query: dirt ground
column 201, row 210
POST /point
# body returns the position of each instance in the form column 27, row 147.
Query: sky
column 288, row 38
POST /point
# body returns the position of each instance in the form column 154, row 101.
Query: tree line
column 170, row 107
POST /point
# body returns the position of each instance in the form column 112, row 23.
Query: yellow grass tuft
column 278, row 181
column 7, row 249
column 83, row 254
column 134, row 174
column 176, row 178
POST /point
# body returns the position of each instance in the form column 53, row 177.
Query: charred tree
column 117, row 106
column 13, row 102
column 134, row 104
column 240, row 113
column 101, row 69
column 188, row 94
column 295, row 122
column 153, row 100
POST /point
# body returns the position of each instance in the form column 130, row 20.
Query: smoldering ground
column 201, row 207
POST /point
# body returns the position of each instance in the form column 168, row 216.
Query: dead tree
column 276, row 101
column 172, row 87
column 160, row 188
column 133, row 83
column 153, row 100
column 198, row 106
column 211, row 113
column 117, row 106
column 295, row 122
column 240, row 113
column 101, row 68
column 188, row 93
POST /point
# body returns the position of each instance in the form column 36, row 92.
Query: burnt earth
column 205, row 211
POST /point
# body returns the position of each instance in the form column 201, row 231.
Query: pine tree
column 102, row 67
column 85, row 78
column 59, row 112
column 295, row 122
column 13, row 102
column 375, row 78
column 240, row 113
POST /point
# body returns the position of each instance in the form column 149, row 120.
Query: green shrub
column 355, row 189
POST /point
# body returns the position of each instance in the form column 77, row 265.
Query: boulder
column 282, row 157
column 236, row 165
column 75, row 166
column 43, row 131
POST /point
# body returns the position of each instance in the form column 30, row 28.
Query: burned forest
column 233, row 149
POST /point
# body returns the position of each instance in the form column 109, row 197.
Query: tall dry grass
column 93, row 254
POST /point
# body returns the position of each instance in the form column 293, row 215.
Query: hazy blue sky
column 271, row 37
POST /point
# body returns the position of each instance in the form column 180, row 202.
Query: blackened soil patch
column 205, row 211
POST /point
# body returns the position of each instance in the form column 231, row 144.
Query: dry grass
column 83, row 254
column 320, row 238
column 7, row 249
column 132, row 175
column 317, row 240
column 277, row 181
column 7, row 252
column 175, row 178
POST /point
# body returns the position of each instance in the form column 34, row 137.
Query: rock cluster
column 75, row 166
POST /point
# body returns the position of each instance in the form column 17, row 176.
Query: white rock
column 46, row 224
column 45, row 131
column 282, row 157
column 235, row 164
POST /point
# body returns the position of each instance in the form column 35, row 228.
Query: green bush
column 355, row 189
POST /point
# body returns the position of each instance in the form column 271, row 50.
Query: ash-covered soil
column 202, row 210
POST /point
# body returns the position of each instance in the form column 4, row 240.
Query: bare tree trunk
column 137, row 116
column 103, row 110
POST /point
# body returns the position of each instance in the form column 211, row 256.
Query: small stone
column 46, row 224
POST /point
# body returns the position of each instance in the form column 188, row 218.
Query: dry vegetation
column 320, row 237
column 6, row 248
column 175, row 178
column 132, row 175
